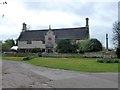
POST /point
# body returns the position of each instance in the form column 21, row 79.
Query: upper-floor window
column 29, row 42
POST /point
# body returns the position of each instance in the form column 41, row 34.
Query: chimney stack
column 107, row 42
column 87, row 22
column 24, row 27
column 49, row 27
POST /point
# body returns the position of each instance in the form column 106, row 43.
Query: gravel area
column 15, row 76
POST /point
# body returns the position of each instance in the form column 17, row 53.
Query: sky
column 39, row 14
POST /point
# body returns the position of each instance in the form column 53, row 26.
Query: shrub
column 36, row 50
column 39, row 54
column 107, row 60
column 100, row 60
column 116, row 61
column 27, row 58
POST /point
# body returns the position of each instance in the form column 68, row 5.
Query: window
column 29, row 42
column 43, row 42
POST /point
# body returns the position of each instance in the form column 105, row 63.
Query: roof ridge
column 56, row 29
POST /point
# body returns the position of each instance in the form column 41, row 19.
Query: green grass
column 78, row 64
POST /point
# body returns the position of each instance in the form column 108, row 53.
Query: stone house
column 47, row 39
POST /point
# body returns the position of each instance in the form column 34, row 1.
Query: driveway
column 19, row 74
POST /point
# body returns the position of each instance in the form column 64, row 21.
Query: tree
column 116, row 32
column 10, row 42
column 116, row 37
column 92, row 45
column 83, row 46
column 66, row 46
column 7, row 44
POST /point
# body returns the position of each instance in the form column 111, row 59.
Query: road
column 23, row 75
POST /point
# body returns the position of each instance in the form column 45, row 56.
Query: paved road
column 26, row 75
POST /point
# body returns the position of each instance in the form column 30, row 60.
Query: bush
column 36, row 50
column 118, row 52
column 107, row 60
column 39, row 54
column 27, row 58
column 82, row 52
column 116, row 61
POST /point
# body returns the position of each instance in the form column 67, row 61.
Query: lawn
column 78, row 64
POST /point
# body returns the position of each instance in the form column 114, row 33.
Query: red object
column 49, row 38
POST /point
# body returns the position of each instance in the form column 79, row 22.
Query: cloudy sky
column 39, row 14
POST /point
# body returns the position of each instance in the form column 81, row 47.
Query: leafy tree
column 116, row 32
column 83, row 46
column 10, row 42
column 116, row 37
column 91, row 45
column 94, row 45
column 7, row 44
column 66, row 46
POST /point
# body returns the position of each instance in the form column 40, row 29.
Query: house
column 47, row 39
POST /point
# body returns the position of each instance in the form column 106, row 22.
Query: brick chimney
column 87, row 27
column 24, row 27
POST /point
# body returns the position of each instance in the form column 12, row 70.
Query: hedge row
column 108, row 60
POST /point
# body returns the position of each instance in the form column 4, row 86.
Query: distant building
column 47, row 39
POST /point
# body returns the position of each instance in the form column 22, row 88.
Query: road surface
column 23, row 75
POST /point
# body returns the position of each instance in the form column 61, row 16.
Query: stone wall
column 34, row 44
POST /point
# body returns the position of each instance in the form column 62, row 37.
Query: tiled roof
column 65, row 33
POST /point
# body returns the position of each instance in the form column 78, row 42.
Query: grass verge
column 78, row 64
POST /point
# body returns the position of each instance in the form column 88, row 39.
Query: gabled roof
column 64, row 33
